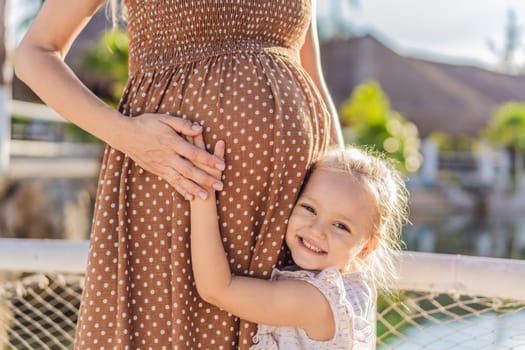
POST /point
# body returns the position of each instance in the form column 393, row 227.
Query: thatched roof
column 455, row 99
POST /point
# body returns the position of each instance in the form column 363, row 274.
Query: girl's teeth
column 311, row 247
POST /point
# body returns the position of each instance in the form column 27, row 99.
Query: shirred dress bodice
column 167, row 32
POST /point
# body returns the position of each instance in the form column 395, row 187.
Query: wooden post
column 429, row 170
column 485, row 162
column 5, row 138
column 5, row 132
column 5, row 118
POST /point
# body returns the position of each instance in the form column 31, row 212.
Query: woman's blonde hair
column 116, row 10
column 388, row 188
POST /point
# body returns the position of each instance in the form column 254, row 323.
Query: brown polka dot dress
column 233, row 66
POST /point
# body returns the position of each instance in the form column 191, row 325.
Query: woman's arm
column 151, row 140
column 277, row 303
column 311, row 62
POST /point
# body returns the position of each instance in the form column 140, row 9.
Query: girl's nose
column 317, row 228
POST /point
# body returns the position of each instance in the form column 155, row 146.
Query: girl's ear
column 369, row 246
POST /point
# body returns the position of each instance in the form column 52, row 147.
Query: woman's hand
column 218, row 151
column 158, row 144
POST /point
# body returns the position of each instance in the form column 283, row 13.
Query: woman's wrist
column 117, row 129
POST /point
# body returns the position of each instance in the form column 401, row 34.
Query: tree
column 507, row 129
column 109, row 57
column 454, row 143
column 369, row 120
column 508, row 52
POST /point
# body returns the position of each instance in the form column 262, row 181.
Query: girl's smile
column 309, row 246
column 331, row 224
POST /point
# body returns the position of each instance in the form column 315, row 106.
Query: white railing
column 454, row 302
column 46, row 256
column 52, row 159
column 467, row 275
column 442, row 302
column 421, row 272
column 33, row 111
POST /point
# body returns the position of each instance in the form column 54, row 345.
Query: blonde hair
column 387, row 186
column 116, row 10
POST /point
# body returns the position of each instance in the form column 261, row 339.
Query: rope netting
column 39, row 312
column 423, row 320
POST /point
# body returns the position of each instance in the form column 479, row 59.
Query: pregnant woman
column 243, row 71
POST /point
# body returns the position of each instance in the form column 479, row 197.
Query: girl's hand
column 218, row 151
column 157, row 143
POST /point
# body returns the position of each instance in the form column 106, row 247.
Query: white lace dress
column 353, row 302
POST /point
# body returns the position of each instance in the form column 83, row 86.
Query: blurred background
column 452, row 74
column 437, row 85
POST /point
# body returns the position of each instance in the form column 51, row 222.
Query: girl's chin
column 306, row 265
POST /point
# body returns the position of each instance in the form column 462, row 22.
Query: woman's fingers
column 188, row 189
column 199, row 141
column 170, row 148
column 186, row 149
column 157, row 147
column 190, row 139
column 195, row 174
column 183, row 126
column 219, row 149
column 195, row 154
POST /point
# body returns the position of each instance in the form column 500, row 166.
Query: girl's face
column 332, row 222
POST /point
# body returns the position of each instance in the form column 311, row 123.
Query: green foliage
column 448, row 142
column 507, row 126
column 391, row 316
column 109, row 57
column 369, row 120
column 58, row 131
column 76, row 134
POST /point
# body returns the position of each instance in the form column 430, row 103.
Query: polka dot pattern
column 230, row 65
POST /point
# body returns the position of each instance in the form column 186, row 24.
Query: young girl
column 341, row 234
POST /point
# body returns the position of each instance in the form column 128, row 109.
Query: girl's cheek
column 346, row 239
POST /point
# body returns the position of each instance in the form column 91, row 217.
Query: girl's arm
column 277, row 303
column 311, row 62
column 151, row 139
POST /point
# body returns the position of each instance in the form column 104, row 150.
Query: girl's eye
column 342, row 226
column 308, row 208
